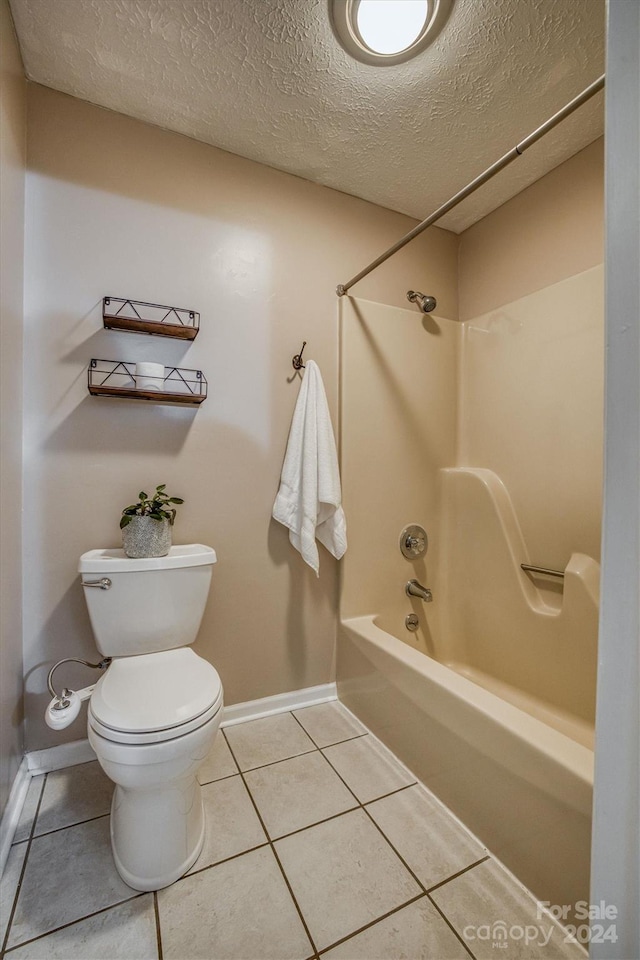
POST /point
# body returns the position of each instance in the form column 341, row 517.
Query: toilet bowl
column 154, row 714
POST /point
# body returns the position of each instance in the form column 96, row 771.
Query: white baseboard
column 13, row 810
column 56, row 758
column 80, row 751
column 280, row 703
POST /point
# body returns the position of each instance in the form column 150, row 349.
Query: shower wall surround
column 115, row 205
column 531, row 410
column 531, row 398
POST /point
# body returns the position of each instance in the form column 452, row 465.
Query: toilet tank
column 148, row 604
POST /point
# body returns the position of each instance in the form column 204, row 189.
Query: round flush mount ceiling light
column 384, row 32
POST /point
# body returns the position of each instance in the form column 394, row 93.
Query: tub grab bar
column 545, row 570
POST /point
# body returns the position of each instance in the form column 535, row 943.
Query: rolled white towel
column 149, row 376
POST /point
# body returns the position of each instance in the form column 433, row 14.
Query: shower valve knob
column 413, row 541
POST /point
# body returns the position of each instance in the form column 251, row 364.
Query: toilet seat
column 155, row 697
column 154, row 736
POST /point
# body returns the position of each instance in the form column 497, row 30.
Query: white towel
column 309, row 498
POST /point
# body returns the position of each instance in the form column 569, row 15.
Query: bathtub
column 522, row 785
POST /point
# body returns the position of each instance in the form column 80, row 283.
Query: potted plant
column 146, row 525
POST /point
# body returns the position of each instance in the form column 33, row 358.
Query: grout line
column 391, row 793
column 218, row 779
column 72, row 923
column 218, row 863
column 335, row 743
column 158, row 931
column 454, row 876
column 316, row 823
column 274, row 762
column 77, row 823
column 372, row 923
column 451, row 927
column 273, row 850
column 299, row 722
column 22, row 871
column 297, row 905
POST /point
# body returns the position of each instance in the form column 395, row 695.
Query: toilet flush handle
column 104, row 583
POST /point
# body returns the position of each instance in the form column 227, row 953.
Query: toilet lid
column 155, row 691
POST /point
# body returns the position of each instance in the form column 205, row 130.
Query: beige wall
column 550, row 231
column 118, row 207
column 12, row 177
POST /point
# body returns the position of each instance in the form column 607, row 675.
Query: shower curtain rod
column 490, row 172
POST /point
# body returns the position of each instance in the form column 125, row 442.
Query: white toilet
column 154, row 714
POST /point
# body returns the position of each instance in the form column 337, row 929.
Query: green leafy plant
column 157, row 507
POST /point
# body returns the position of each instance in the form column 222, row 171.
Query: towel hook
column 297, row 360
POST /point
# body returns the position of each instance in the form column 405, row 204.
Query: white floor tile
column 69, row 874
column 127, row 932
column 239, row 910
column 298, row 792
column 368, row 768
column 73, row 795
column 232, row 825
column 328, row 723
column 433, row 844
column 344, row 875
column 489, row 910
column 417, row 932
column 259, row 742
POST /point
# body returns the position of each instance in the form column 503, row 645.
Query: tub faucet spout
column 415, row 589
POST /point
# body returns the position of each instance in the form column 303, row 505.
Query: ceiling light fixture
column 385, row 32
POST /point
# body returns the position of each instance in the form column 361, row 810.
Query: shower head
column 423, row 300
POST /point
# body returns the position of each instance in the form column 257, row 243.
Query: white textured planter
column 145, row 537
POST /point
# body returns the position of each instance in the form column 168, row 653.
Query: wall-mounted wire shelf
column 136, row 316
column 117, row 378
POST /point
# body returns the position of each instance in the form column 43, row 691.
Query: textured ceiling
column 266, row 79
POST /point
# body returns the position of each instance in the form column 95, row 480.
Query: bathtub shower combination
column 488, row 692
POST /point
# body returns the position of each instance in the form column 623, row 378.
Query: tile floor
column 319, row 843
